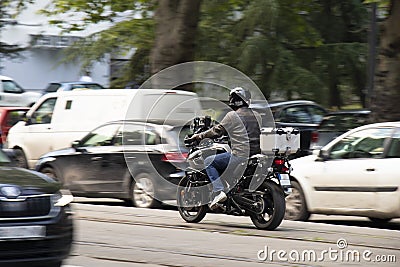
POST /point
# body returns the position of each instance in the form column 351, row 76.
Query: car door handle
column 96, row 158
column 370, row 169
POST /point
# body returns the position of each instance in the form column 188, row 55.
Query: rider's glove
column 193, row 138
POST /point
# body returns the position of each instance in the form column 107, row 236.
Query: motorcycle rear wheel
column 192, row 212
column 274, row 210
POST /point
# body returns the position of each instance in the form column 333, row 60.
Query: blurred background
column 341, row 54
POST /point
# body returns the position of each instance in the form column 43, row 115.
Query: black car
column 336, row 123
column 139, row 162
column 36, row 224
column 301, row 114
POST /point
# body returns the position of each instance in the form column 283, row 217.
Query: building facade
column 42, row 63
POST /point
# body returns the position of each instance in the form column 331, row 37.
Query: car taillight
column 314, row 137
column 174, row 157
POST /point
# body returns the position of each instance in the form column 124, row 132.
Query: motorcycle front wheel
column 274, row 208
column 189, row 200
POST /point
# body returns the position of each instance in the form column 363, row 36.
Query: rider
column 242, row 125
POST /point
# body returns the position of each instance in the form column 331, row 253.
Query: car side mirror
column 75, row 144
column 27, row 119
column 323, row 155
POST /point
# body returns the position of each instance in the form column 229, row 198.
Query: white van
column 58, row 119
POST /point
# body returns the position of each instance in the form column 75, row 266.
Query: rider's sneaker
column 221, row 197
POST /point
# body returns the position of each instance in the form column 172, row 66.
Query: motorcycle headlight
column 62, row 198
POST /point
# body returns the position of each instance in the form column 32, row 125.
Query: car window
column 78, row 87
column 102, row 136
column 179, row 133
column 11, row 87
column 297, row 114
column 43, row 114
column 53, row 87
column 94, row 86
column 150, row 137
column 132, row 134
column 367, row 143
column 316, row 114
column 342, row 122
column 85, row 86
column 394, row 148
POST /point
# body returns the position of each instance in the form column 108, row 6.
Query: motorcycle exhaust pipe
column 245, row 202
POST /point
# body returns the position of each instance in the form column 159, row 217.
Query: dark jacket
column 243, row 128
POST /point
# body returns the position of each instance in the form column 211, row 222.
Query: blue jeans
column 217, row 164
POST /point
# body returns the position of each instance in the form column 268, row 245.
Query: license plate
column 284, row 178
column 22, row 232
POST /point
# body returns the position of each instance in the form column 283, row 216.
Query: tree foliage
column 309, row 49
column 386, row 95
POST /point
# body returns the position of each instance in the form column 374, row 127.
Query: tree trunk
column 176, row 26
column 385, row 101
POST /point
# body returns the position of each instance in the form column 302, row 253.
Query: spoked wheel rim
column 143, row 192
column 274, row 210
column 190, row 204
column 267, row 210
column 294, row 204
column 187, row 207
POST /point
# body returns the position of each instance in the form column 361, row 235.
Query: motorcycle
column 258, row 191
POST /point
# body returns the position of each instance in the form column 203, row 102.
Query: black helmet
column 239, row 97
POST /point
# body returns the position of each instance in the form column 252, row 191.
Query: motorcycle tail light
column 279, row 162
column 174, row 157
column 280, row 165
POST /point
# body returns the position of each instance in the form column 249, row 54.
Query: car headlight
column 62, row 198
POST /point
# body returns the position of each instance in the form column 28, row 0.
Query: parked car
column 70, row 86
column 355, row 174
column 11, row 94
column 9, row 116
column 336, row 123
column 60, row 118
column 36, row 222
column 301, row 114
column 136, row 161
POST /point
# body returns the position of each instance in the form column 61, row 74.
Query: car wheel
column 49, row 171
column 379, row 220
column 143, row 191
column 20, row 158
column 296, row 206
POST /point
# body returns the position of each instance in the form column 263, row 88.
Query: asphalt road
column 109, row 234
